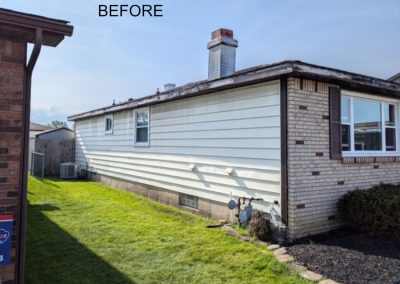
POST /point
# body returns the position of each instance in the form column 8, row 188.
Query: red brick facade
column 12, row 59
column 16, row 31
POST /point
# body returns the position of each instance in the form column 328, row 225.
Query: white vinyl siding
column 237, row 129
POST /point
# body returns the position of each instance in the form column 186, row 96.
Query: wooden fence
column 55, row 153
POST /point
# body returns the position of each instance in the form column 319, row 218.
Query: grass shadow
column 71, row 261
column 46, row 181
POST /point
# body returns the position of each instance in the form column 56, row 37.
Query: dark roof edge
column 254, row 75
column 33, row 21
column 52, row 130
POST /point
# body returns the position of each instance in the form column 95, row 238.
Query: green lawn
column 85, row 232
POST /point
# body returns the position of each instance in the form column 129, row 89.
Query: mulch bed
column 348, row 257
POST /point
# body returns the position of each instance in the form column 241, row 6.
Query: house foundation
column 206, row 207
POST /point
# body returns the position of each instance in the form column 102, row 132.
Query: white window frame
column 141, row 144
column 382, row 101
column 109, row 131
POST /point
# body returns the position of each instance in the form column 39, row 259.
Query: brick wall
column 12, row 58
column 315, row 182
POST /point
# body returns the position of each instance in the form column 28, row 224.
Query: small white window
column 108, row 124
column 141, row 127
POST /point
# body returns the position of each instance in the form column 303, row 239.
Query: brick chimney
column 222, row 54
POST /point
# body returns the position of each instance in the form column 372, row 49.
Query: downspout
column 25, row 152
column 284, row 155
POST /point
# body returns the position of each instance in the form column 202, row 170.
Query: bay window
column 368, row 126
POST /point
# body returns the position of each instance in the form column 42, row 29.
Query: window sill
column 370, row 154
column 145, row 145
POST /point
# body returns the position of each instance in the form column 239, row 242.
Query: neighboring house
column 34, row 128
column 395, row 78
column 16, row 67
column 61, row 133
column 295, row 134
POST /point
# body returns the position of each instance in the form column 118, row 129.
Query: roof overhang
column 22, row 27
column 257, row 75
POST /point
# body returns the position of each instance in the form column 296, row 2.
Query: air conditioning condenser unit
column 68, row 170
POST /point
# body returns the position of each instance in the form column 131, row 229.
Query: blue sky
column 120, row 58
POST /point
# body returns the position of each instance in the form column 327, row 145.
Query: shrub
column 259, row 226
column 375, row 211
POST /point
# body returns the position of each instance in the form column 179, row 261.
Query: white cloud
column 46, row 113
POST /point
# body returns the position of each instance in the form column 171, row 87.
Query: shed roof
column 53, row 130
column 256, row 75
column 22, row 26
